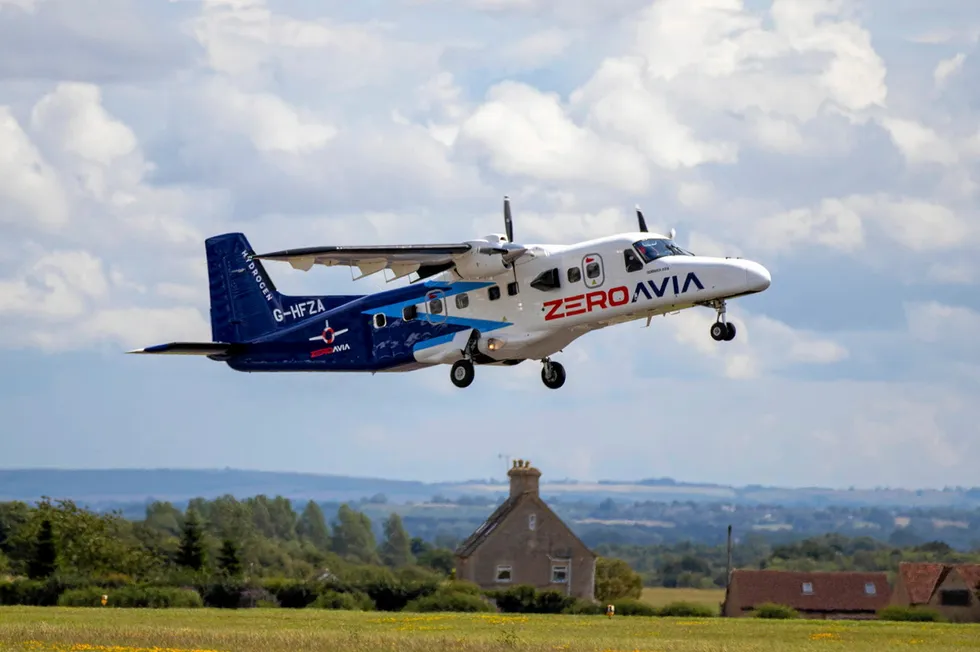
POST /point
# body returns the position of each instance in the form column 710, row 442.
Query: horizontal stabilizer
column 186, row 348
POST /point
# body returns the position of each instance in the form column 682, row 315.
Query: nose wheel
column 722, row 330
column 552, row 374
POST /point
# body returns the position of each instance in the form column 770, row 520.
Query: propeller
column 639, row 218
column 508, row 222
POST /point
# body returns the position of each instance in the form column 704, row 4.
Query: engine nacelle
column 481, row 262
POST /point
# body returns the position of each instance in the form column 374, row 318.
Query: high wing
column 423, row 259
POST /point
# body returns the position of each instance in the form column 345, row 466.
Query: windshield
column 657, row 248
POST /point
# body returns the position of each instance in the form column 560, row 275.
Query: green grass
column 281, row 630
column 659, row 596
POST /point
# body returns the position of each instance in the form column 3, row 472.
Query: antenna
column 506, row 458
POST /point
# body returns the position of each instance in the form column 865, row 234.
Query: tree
column 44, row 560
column 396, row 551
column 190, row 554
column 614, row 579
column 312, row 526
column 229, row 560
column 352, row 536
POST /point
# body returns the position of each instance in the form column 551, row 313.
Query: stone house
column 823, row 595
column 525, row 542
column 950, row 589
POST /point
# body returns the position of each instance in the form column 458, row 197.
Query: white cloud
column 32, row 195
column 947, row 68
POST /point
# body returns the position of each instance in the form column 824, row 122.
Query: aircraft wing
column 424, row 259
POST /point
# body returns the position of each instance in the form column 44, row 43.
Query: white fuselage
column 586, row 286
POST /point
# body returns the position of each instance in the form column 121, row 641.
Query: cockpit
column 653, row 248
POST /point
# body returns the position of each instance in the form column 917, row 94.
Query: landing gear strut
column 552, row 374
column 722, row 330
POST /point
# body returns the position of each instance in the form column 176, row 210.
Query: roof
column 831, row 591
column 481, row 533
column 922, row 578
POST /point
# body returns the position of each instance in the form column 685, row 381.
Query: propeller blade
column 639, row 218
column 508, row 222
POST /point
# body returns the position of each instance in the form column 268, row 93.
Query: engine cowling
column 482, row 261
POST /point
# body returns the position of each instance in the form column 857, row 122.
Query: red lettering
column 551, row 314
column 612, row 296
column 595, row 299
column 576, row 301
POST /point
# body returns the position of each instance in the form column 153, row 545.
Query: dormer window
column 807, row 588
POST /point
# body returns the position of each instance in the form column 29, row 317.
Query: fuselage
column 546, row 301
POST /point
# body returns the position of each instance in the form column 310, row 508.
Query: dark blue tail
column 244, row 300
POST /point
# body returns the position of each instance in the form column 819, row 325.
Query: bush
column 634, row 607
column 387, row 591
column 551, row 601
column 133, row 597
column 585, row 608
column 516, row 599
column 912, row 614
column 449, row 601
column 336, row 600
column 291, row 594
column 461, row 586
column 32, row 593
column 769, row 610
column 687, row 610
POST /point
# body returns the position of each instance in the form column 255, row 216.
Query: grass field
column 658, row 596
column 280, row 630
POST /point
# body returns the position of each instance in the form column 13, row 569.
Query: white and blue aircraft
column 487, row 301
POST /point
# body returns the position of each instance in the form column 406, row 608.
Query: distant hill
column 179, row 485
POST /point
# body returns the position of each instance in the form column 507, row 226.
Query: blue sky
column 837, row 142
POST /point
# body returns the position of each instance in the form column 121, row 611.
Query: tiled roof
column 831, row 591
column 921, row 578
column 480, row 535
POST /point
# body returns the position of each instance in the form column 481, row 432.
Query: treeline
column 251, row 553
column 693, row 565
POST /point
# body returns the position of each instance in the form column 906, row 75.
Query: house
column 950, row 589
column 524, row 542
column 825, row 595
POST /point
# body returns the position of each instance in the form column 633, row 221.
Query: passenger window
column 633, row 263
column 494, row 293
column 592, row 270
column 409, row 313
column 512, row 288
column 435, row 307
column 462, row 300
column 574, row 275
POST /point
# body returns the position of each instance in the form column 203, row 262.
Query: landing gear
column 552, row 374
column 462, row 373
column 722, row 330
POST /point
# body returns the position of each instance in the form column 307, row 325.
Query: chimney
column 523, row 478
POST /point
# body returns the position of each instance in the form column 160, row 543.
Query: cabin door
column 593, row 273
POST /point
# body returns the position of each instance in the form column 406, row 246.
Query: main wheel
column 719, row 331
column 730, row 335
column 553, row 375
column 462, row 373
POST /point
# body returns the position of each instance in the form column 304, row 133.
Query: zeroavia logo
column 617, row 296
column 329, row 337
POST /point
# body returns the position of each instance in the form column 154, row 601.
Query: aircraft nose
column 757, row 277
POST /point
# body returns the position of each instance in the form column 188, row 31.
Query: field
column 658, row 596
column 39, row 629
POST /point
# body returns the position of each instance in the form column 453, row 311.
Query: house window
column 503, row 573
column 559, row 574
column 531, row 521
column 807, row 588
column 869, row 588
column 954, row 598
column 462, row 300
column 574, row 274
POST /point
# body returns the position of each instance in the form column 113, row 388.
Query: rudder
column 243, row 297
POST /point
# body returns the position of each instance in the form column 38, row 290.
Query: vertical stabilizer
column 244, row 300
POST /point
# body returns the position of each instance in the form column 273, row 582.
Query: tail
column 244, row 300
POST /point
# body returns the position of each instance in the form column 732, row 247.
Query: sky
column 835, row 141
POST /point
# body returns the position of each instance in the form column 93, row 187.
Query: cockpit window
column 657, row 248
